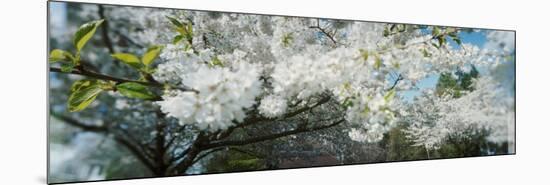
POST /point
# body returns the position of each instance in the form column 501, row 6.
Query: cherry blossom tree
column 178, row 86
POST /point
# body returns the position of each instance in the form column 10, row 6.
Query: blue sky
column 475, row 38
column 58, row 18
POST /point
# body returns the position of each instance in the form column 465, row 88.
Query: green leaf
column 80, row 83
column 189, row 31
column 386, row 32
column 216, row 62
column 441, row 40
column 177, row 39
column 175, row 22
column 457, row 41
column 348, row 102
column 452, row 34
column 450, row 30
column 396, row 65
column 347, row 86
column 135, row 90
column 426, row 53
column 287, row 39
column 436, row 31
column 401, row 28
column 83, row 93
column 455, row 38
column 67, row 67
column 366, row 110
column 187, row 47
column 129, row 59
column 150, row 55
column 58, row 55
column 148, row 70
column 389, row 96
column 377, row 62
column 84, row 33
column 182, row 31
column 364, row 54
column 392, row 27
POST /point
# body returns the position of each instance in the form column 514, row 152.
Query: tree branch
column 269, row 137
column 399, row 78
column 179, row 156
column 128, row 39
column 103, row 129
column 307, row 108
column 174, row 137
column 325, row 32
column 189, row 156
column 253, row 119
column 204, row 142
column 136, row 152
column 105, row 30
column 76, row 123
column 182, row 154
column 160, row 144
column 115, row 79
column 206, row 154
column 146, row 151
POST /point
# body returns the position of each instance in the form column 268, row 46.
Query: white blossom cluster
column 237, row 61
column 222, row 97
column 180, row 63
column 272, row 106
column 374, row 116
column 487, row 107
column 303, row 76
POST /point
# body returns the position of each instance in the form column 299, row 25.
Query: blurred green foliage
column 234, row 160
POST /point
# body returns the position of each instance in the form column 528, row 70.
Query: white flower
column 222, row 96
column 182, row 106
column 377, row 103
column 357, row 135
column 365, row 136
column 307, row 75
column 435, row 117
column 272, row 106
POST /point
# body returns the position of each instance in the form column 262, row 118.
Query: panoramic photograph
column 142, row 92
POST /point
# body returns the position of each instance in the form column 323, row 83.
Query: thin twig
column 78, row 124
column 399, row 78
column 115, row 79
column 105, row 30
column 253, row 119
column 270, row 136
column 325, row 32
column 133, row 148
column 128, row 39
column 206, row 154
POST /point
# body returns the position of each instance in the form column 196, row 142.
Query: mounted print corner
column 141, row 92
